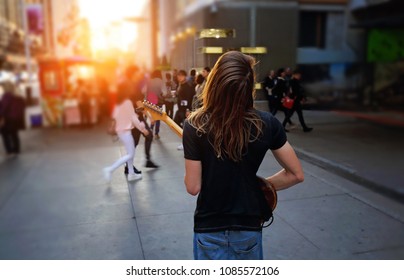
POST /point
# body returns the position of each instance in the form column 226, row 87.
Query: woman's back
column 225, row 142
column 123, row 114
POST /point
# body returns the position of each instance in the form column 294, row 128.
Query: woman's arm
column 292, row 172
column 139, row 125
column 135, row 119
column 193, row 176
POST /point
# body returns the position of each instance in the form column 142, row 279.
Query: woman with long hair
column 225, row 142
column 125, row 119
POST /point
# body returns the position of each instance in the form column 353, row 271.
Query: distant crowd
column 284, row 92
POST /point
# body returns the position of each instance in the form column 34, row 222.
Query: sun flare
column 109, row 29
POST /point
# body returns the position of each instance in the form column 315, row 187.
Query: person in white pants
column 125, row 119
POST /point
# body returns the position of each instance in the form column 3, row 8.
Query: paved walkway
column 365, row 148
column 54, row 203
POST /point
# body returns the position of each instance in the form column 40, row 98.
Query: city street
column 54, row 203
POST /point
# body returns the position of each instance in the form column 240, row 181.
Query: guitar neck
column 174, row 127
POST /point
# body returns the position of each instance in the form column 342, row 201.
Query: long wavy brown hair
column 227, row 115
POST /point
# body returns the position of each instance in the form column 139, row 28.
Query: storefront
column 60, row 80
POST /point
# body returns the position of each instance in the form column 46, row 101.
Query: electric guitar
column 157, row 113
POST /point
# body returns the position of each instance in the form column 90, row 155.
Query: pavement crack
column 135, row 221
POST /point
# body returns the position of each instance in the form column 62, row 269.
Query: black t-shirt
column 184, row 96
column 269, row 82
column 280, row 89
column 230, row 198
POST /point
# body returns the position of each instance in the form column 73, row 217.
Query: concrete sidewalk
column 54, row 203
column 365, row 148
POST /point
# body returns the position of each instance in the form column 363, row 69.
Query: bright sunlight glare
column 109, row 28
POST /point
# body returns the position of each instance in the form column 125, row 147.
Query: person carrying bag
column 297, row 95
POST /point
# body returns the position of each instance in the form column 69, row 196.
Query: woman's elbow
column 192, row 189
column 192, row 192
column 299, row 177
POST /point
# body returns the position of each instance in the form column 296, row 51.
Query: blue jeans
column 228, row 245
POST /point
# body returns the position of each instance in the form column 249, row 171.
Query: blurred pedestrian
column 185, row 94
column 268, row 84
column 296, row 93
column 169, row 97
column 175, row 78
column 191, row 78
column 197, row 100
column 134, row 83
column 288, row 76
column 103, row 98
column 225, row 142
column 279, row 90
column 12, row 118
column 205, row 72
column 137, row 101
column 84, row 102
column 128, row 86
column 155, row 90
column 125, row 120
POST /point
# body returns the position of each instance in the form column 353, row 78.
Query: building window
column 312, row 26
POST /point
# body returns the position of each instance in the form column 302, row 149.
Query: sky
column 106, row 18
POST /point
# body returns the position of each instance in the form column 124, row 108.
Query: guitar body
column 269, row 192
column 157, row 113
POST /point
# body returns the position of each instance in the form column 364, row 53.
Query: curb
column 349, row 174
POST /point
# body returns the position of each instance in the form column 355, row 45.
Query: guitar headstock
column 158, row 114
column 155, row 111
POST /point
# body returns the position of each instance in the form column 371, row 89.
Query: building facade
column 69, row 33
column 381, row 26
column 20, row 43
column 54, row 28
column 315, row 36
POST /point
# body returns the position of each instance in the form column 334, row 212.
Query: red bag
column 288, row 102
